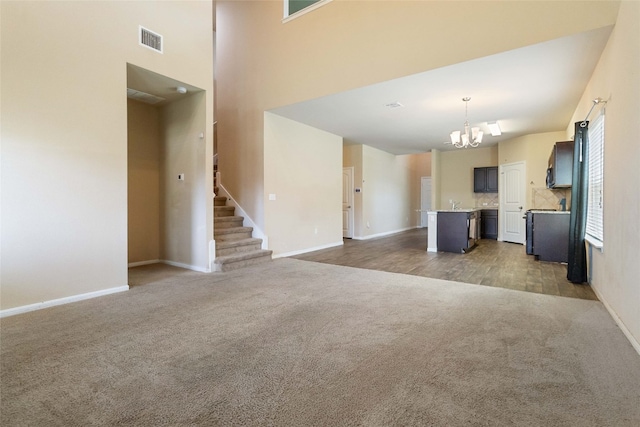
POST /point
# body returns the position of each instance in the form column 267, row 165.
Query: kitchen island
column 458, row 230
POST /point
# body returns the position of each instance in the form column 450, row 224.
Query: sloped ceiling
column 529, row 90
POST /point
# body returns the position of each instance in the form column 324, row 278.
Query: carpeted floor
column 296, row 343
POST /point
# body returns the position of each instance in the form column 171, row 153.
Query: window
column 299, row 7
column 595, row 226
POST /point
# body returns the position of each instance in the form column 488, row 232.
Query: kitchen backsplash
column 541, row 198
column 483, row 200
column 545, row 198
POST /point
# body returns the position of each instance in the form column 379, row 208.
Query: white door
column 347, row 202
column 425, row 200
column 513, row 192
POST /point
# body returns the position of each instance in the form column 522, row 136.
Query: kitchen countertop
column 549, row 212
column 459, row 210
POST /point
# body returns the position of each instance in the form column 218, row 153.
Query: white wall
column 64, row 135
column 456, row 174
column 390, row 185
column 616, row 270
column 306, row 178
column 264, row 63
column 390, row 192
column 184, row 237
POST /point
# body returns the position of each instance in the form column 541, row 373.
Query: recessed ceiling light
column 394, row 105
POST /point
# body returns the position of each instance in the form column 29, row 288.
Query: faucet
column 454, row 205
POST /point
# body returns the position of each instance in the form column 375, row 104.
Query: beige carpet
column 296, row 343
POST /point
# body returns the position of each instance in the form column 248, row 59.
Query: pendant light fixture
column 464, row 139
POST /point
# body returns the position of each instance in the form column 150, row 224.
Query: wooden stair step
column 241, row 259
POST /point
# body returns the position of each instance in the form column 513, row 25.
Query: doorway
column 425, row 200
column 347, row 202
column 169, row 185
column 513, row 192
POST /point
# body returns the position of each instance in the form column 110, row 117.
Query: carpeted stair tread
column 241, row 256
column 232, row 230
column 242, row 259
column 226, row 244
column 235, row 246
column 225, row 222
column 228, row 218
column 238, row 245
column 223, row 211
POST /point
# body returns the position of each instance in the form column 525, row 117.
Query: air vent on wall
column 150, row 39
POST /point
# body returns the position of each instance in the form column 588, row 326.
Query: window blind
column 595, row 228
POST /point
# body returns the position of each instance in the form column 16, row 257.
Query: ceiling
column 163, row 88
column 529, row 90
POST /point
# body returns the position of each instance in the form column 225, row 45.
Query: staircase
column 235, row 246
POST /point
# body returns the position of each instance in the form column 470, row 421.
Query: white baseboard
column 304, row 251
column 60, row 301
column 386, row 233
column 141, row 263
column 172, row 263
column 634, row 343
column 187, row 266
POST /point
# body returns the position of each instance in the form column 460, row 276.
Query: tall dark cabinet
column 485, row 180
column 560, row 171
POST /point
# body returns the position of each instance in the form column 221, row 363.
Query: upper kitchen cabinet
column 560, row 170
column 485, row 180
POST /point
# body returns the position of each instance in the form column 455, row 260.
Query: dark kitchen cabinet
column 485, row 180
column 457, row 231
column 489, row 224
column 560, row 170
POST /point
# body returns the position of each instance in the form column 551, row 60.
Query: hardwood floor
column 491, row 263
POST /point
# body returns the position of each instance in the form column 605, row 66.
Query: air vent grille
column 150, row 39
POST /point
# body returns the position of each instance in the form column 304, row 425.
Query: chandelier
column 464, row 140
